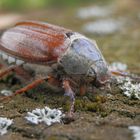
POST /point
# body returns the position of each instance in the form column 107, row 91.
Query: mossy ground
column 99, row 115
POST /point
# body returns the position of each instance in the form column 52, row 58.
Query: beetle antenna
column 125, row 74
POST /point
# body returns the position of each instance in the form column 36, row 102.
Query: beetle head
column 99, row 71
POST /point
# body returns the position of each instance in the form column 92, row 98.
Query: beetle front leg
column 69, row 92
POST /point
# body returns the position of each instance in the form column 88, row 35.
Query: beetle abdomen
column 34, row 42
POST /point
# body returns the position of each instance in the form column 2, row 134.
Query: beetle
column 74, row 60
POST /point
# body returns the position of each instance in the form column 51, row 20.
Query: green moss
column 84, row 104
column 93, row 107
column 100, row 99
column 104, row 114
column 66, row 107
column 79, row 104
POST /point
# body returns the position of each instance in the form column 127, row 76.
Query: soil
column 103, row 115
column 99, row 116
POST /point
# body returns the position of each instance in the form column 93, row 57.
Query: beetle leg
column 26, row 88
column 18, row 70
column 71, row 94
column 29, row 86
column 7, row 71
column 53, row 81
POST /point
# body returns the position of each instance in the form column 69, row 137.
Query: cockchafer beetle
column 74, row 60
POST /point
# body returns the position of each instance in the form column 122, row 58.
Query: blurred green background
column 15, row 5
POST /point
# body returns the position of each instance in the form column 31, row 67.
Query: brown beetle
column 75, row 60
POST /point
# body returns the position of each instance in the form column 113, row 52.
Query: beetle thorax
column 80, row 55
column 74, row 63
column 84, row 58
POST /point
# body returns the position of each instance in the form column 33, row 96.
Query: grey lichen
column 4, row 124
column 45, row 115
column 130, row 89
column 136, row 132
